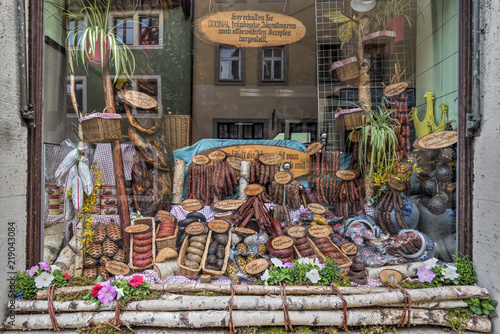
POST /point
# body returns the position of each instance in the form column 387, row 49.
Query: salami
column 303, row 246
column 142, row 243
column 142, row 249
column 143, row 256
column 307, row 252
column 300, row 241
column 143, row 236
column 142, row 263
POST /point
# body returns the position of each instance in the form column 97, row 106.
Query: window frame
column 263, row 121
column 284, row 67
column 136, row 29
column 217, row 80
column 71, row 114
column 157, row 77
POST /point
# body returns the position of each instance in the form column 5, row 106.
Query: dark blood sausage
column 143, row 256
column 143, row 249
column 303, row 247
column 300, row 241
column 143, row 236
column 307, row 252
column 279, row 253
column 142, row 263
column 199, row 216
column 142, row 243
column 321, row 241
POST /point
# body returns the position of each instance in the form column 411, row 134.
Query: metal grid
column 334, row 94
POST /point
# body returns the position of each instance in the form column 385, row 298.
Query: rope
column 116, row 322
column 344, row 302
column 406, row 316
column 117, row 313
column 232, row 329
column 288, row 322
column 50, row 301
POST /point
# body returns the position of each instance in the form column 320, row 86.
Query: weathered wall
column 487, row 157
column 13, row 167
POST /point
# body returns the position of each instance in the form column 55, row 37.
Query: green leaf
column 493, row 314
column 493, row 303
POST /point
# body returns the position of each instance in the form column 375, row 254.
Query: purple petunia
column 106, row 294
column 425, row 275
column 44, row 266
column 32, row 271
column 288, row 265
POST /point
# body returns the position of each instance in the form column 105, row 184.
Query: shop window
column 148, row 84
column 240, row 129
column 75, row 31
column 273, row 64
column 230, row 65
column 142, row 30
column 303, row 130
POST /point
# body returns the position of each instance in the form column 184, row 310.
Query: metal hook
column 210, row 10
column 284, row 6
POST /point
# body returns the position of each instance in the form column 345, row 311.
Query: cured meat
column 114, row 231
column 142, row 119
column 142, row 243
column 142, row 249
column 109, row 247
column 153, row 148
column 99, row 233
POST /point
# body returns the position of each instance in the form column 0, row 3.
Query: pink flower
column 106, row 294
column 136, row 281
column 96, row 289
column 288, row 264
column 425, row 275
column 44, row 266
column 66, row 276
column 32, row 271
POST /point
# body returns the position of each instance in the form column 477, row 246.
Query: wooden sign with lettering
column 390, row 275
column 396, row 183
column 253, row 189
column 282, row 242
column 298, row 159
column 297, row 231
column 313, row 148
column 117, row 268
column 192, row 205
column 250, row 28
column 217, row 155
column 437, row 140
column 140, row 228
column 256, row 266
column 244, row 231
column 200, row 159
column 228, row 204
column 270, row 159
column 164, row 215
column 345, row 174
column 317, row 208
column 395, row 89
column 283, row 177
column 218, row 225
column 195, row 228
column 349, row 249
column 319, row 231
column 139, row 99
column 235, row 162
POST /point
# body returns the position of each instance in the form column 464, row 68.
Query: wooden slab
column 437, row 140
column 192, row 205
column 217, row 155
column 390, row 275
column 296, row 231
column 195, row 228
column 200, row 159
column 282, row 242
column 141, row 228
column 218, row 225
column 249, row 28
column 164, row 215
column 283, row 177
column 235, row 162
column 396, row 183
column 244, row 231
column 256, row 266
column 166, row 254
column 117, row 268
column 349, row 249
column 345, row 174
column 317, row 208
column 270, row 159
column 313, row 148
column 319, row 231
column 253, row 189
column 395, row 89
column 298, row 159
column 139, row 99
column 228, row 204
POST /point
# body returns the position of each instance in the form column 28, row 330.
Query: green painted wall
column 437, row 55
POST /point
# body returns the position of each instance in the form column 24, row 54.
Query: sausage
column 300, row 241
column 303, row 247
column 143, row 236
column 143, row 256
column 143, row 249
column 142, row 263
column 321, row 241
column 307, row 252
column 187, row 221
column 281, row 252
column 142, row 243
column 277, row 227
column 286, row 259
column 198, row 216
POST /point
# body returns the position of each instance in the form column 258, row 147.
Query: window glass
column 283, row 74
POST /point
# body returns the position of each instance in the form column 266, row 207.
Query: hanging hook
column 210, row 9
column 284, row 6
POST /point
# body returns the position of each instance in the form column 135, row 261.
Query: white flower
column 431, row 263
column 265, row 276
column 277, row 263
column 313, row 276
column 316, row 262
column 119, row 293
column 306, row 260
column 54, row 267
column 43, row 280
column 450, row 272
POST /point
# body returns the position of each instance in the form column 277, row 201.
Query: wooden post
column 365, row 95
column 121, row 192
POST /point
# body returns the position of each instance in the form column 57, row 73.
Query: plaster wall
column 13, row 153
column 486, row 236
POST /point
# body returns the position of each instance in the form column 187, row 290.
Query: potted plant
column 391, row 15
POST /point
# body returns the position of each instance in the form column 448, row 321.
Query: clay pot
column 98, row 58
column 396, row 24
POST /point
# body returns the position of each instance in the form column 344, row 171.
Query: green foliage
column 298, row 271
column 387, row 9
column 456, row 317
column 139, row 292
column 81, row 281
column 206, row 294
column 411, row 284
column 465, row 269
column 484, row 307
column 24, row 285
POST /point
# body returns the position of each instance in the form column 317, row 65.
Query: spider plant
column 96, row 34
column 377, row 138
column 387, row 9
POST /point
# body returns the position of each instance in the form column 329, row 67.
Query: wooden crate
column 344, row 267
column 216, row 274
column 182, row 269
column 178, row 129
column 150, row 222
column 316, row 251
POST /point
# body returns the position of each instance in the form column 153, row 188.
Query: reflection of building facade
column 256, row 93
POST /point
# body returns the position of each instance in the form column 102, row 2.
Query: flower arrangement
column 28, row 283
column 460, row 273
column 105, row 292
column 302, row 271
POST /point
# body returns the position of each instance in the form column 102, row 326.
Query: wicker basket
column 344, row 268
column 101, row 127
column 216, row 274
column 182, row 269
column 349, row 119
column 346, row 69
column 178, row 131
column 168, row 241
column 150, row 222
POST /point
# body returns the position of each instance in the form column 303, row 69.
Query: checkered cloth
column 104, row 157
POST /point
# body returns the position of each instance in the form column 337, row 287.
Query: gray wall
column 486, row 245
column 13, row 166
